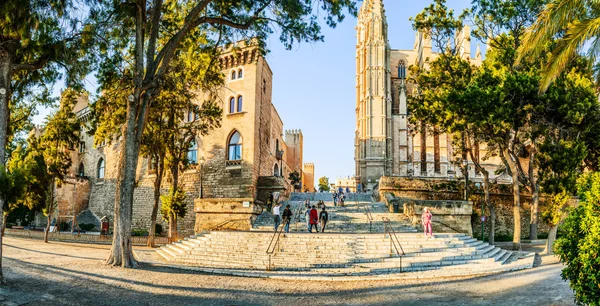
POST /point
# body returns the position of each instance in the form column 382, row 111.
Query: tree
column 174, row 207
column 60, row 133
column 324, row 184
column 37, row 38
column 154, row 30
column 578, row 247
column 295, row 180
column 175, row 119
column 576, row 23
column 12, row 188
column 503, row 24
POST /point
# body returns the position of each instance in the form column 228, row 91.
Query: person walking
column 426, row 219
column 307, row 218
column 277, row 215
column 287, row 218
column 270, row 201
column 335, row 195
column 323, row 217
column 314, row 219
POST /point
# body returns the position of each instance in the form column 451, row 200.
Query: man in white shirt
column 277, row 215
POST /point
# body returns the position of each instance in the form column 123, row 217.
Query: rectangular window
column 81, row 147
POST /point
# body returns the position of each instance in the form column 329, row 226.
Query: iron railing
column 394, row 241
column 222, row 225
column 81, row 238
column 273, row 243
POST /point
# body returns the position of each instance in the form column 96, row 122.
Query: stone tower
column 294, row 141
column 373, row 137
column 309, row 177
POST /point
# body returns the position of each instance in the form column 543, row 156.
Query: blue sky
column 313, row 86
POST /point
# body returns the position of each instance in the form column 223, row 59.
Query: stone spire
column 478, row 53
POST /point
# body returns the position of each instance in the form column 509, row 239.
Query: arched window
column 231, row 105
column 81, row 170
column 276, row 170
column 240, row 74
column 100, row 174
column 402, row 70
column 239, row 103
column 192, row 154
column 234, row 151
column 233, row 75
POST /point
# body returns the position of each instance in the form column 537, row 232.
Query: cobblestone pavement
column 74, row 274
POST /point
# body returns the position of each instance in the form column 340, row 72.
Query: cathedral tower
column 373, row 136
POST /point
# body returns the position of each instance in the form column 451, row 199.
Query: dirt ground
column 74, row 274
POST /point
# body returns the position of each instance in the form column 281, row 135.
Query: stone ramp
column 341, row 256
column 328, row 196
column 352, row 218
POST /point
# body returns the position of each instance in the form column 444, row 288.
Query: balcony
column 233, row 164
column 279, row 154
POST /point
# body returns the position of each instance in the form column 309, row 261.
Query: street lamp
column 465, row 163
column 202, row 160
column 478, row 185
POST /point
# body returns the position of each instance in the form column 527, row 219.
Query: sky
column 313, row 86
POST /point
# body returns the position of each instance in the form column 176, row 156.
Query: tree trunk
column 533, row 224
column 50, row 210
column 3, row 223
column 157, row 186
column 488, row 203
column 550, row 242
column 535, row 196
column 172, row 217
column 5, row 92
column 170, row 227
column 516, row 200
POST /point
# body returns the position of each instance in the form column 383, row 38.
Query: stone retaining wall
column 226, row 213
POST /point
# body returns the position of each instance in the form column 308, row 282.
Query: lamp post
column 465, row 163
column 478, row 185
column 202, row 160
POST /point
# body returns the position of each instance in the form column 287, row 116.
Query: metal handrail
column 220, row 225
column 394, row 241
column 273, row 246
column 297, row 216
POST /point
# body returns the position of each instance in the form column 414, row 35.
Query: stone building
column 385, row 142
column 309, row 177
column 233, row 169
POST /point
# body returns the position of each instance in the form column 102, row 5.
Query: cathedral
column 385, row 143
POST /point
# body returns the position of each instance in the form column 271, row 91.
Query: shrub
column 158, row 229
column 578, row 246
column 87, row 226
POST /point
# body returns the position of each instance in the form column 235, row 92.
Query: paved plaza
column 74, row 274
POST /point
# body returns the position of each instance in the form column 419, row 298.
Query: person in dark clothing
column 314, row 219
column 287, row 218
column 323, row 217
column 335, row 195
column 270, row 201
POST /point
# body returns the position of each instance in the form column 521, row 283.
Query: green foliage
column 173, row 204
column 88, row 227
column 158, row 229
column 295, row 179
column 324, row 184
column 578, row 248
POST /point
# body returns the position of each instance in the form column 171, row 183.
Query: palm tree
column 575, row 27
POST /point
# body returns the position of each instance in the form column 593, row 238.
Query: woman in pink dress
column 426, row 219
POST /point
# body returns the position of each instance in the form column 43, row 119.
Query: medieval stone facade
column 385, row 142
column 232, row 170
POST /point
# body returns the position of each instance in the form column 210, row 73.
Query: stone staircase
column 353, row 246
column 351, row 218
column 341, row 256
